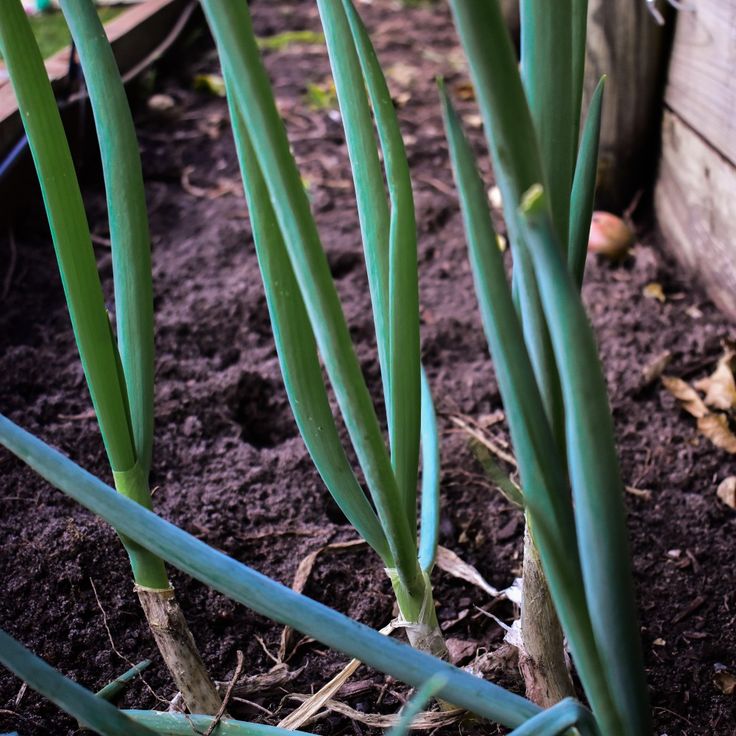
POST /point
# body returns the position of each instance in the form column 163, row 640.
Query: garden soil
column 230, row 467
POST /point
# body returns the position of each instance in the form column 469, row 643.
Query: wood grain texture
column 701, row 86
column 695, row 200
column 625, row 43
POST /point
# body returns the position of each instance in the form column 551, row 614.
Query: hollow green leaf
column 547, row 72
column 495, row 473
column 127, row 214
column 69, row 230
column 405, row 385
column 79, row 702
column 263, row 595
column 114, row 688
column 594, row 475
column 583, row 189
column 431, row 470
column 185, row 724
column 579, row 44
column 232, row 29
column 546, row 496
column 297, row 349
column 370, row 190
column 412, row 709
column 566, row 714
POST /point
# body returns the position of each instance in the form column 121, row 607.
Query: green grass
column 52, row 33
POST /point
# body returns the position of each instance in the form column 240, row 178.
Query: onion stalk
column 119, row 370
column 306, row 314
column 543, row 348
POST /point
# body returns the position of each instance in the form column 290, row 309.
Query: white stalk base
column 178, row 650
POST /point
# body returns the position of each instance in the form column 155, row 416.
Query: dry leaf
column 301, row 576
column 727, row 491
column 448, row 561
column 461, row 649
column 403, row 74
column 464, row 91
column 654, row 368
column 715, row 428
column 425, row 721
column 720, row 388
column 223, row 187
column 686, row 395
column 309, row 708
column 725, row 681
column 654, row 290
column 488, row 420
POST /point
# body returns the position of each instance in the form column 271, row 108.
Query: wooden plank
column 695, row 201
column 701, row 86
column 133, row 34
column 626, row 44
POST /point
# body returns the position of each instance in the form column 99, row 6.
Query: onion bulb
column 609, row 236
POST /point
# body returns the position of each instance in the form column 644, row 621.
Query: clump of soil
column 230, row 467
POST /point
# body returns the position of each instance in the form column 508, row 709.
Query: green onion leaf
column 431, row 470
column 546, row 496
column 583, row 189
column 297, row 350
column 127, row 213
column 420, row 698
column 594, row 475
column 70, row 232
column 232, row 29
column 263, row 595
column 404, row 397
column 566, row 714
column 79, row 702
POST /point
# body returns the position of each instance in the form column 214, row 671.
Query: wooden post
column 696, row 188
column 626, row 43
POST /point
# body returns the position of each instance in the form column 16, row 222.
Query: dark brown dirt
column 230, row 466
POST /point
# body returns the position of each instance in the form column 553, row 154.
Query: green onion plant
column 306, row 314
column 542, row 344
column 271, row 599
column 118, row 368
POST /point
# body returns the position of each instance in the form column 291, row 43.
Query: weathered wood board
column 134, row 35
column 695, row 198
column 701, row 86
column 695, row 195
column 626, row 44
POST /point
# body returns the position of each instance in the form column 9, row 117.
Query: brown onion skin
column 609, row 236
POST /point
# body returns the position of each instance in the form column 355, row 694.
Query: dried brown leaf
column 425, row 721
column 715, row 428
column 720, row 387
column 453, row 565
column 686, row 395
column 655, row 368
column 461, row 649
column 727, row 491
column 303, row 571
column 312, row 705
column 654, row 290
column 725, row 681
